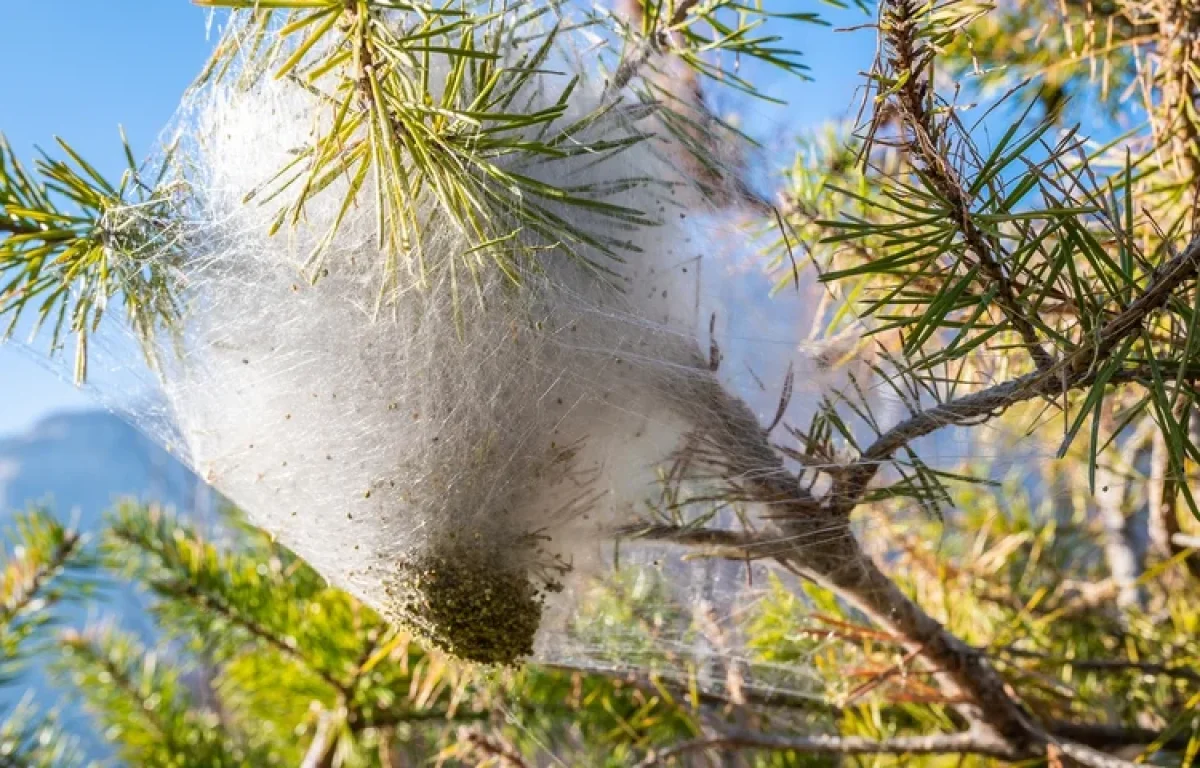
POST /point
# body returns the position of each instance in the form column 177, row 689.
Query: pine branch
column 32, row 740
column 282, row 627
column 105, row 654
column 1117, row 666
column 213, row 604
column 1175, row 119
column 33, row 578
column 144, row 703
column 25, row 580
column 647, row 45
column 912, row 65
column 209, row 588
column 466, row 151
column 711, row 542
column 673, row 28
column 841, row 565
column 969, row 743
column 1073, row 371
column 64, row 258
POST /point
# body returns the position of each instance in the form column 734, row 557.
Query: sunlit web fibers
column 446, row 445
column 421, row 445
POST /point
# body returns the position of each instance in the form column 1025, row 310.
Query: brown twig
column 954, row 743
column 1106, row 665
column 646, row 46
column 911, row 57
column 840, row 565
column 1071, row 372
column 966, row 743
column 13, row 226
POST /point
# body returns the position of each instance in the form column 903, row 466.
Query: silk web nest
column 459, row 456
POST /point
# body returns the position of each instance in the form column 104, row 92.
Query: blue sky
column 80, row 68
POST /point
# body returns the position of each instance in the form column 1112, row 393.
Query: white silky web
column 427, row 447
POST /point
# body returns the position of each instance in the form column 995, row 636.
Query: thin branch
column 968, row 743
column 911, row 58
column 14, row 226
column 713, row 542
column 1115, row 736
column 1107, row 665
column 492, row 747
column 24, row 594
column 120, row 678
column 401, row 717
column 1074, row 371
column 644, row 49
column 973, row 742
column 219, row 606
column 323, row 748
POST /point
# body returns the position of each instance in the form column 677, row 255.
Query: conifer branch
column 1114, row 666
column 980, row 743
column 35, row 576
column 211, row 603
column 1071, row 372
column 840, row 564
column 65, row 258
column 912, row 63
column 26, row 580
column 968, row 743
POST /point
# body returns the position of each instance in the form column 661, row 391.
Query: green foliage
column 146, row 707
column 29, row 739
column 260, row 661
column 222, row 599
column 73, row 243
column 1030, row 280
column 44, row 566
column 715, row 38
column 466, row 151
column 964, row 263
column 1088, row 55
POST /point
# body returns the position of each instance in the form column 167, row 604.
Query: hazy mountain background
column 79, row 464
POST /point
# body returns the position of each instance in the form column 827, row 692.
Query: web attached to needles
column 446, row 454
